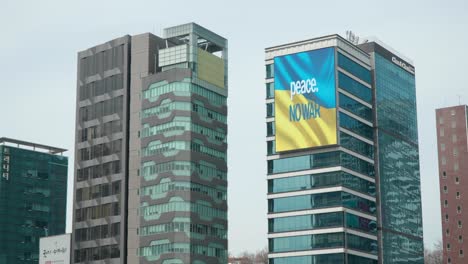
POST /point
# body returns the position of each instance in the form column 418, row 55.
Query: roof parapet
column 49, row 149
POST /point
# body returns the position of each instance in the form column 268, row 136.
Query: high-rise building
column 453, row 177
column 151, row 167
column 329, row 147
column 397, row 155
column 33, row 198
column 321, row 176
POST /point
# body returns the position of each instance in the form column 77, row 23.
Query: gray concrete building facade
column 101, row 152
column 163, row 143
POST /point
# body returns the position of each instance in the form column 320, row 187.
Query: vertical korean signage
column 305, row 100
column 5, row 162
column 55, row 249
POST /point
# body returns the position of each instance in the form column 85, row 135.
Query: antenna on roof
column 353, row 38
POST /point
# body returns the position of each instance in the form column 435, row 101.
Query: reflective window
column 270, row 109
column 308, row 242
column 270, row 90
column 412, row 252
column 150, row 169
column 184, row 88
column 270, row 129
column 357, row 164
column 396, row 99
column 271, row 148
column 304, row 222
column 321, row 160
column 98, row 211
column 400, row 184
column 310, row 181
column 355, row 107
column 154, row 211
column 352, row 259
column 176, row 226
column 304, row 162
column 155, row 191
column 172, row 148
column 270, row 70
column 356, row 145
column 362, row 244
column 178, row 126
column 354, row 68
column 354, row 87
column 100, row 87
column 361, row 223
column 322, row 200
column 165, row 109
column 318, row 259
column 187, row 248
column 102, row 108
column 356, row 126
column 96, row 253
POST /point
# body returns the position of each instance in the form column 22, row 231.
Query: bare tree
column 261, row 257
column 435, row 255
column 246, row 257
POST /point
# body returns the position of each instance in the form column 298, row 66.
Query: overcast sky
column 40, row 39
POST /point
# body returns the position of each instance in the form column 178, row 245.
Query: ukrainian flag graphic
column 305, row 100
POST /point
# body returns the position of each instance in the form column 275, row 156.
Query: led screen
column 305, row 100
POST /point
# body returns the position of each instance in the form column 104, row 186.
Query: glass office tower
column 151, row 170
column 330, row 106
column 183, row 186
column 320, row 147
column 400, row 215
column 33, row 197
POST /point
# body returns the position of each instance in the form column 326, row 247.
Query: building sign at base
column 55, row 249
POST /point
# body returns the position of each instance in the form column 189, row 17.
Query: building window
column 445, row 203
column 455, row 151
column 457, row 180
column 452, row 112
column 442, row 147
column 454, row 138
column 444, row 160
column 270, row 90
column 442, row 132
column 461, row 252
column 441, row 120
column 458, row 195
column 448, row 246
column 460, row 224
column 460, row 239
column 270, row 109
column 271, row 148
column 447, row 232
column 270, row 129
column 270, row 70
column 445, row 189
column 444, row 175
column 449, row 260
column 446, row 218
column 454, row 124
column 459, row 209
column 456, row 166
